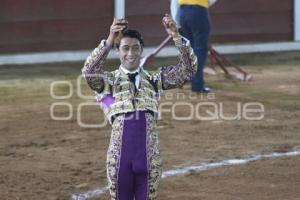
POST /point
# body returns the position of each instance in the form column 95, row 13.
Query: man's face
column 130, row 51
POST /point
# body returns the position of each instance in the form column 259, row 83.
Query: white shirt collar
column 126, row 71
column 137, row 78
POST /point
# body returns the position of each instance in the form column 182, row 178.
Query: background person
column 193, row 18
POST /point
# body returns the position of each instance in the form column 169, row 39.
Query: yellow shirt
column 203, row 3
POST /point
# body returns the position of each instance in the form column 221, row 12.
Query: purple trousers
column 133, row 172
column 134, row 163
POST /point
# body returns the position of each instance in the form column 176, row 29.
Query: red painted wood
column 35, row 25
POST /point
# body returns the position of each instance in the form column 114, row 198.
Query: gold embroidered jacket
column 115, row 87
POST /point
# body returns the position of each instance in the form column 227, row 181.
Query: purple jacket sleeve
column 93, row 67
column 175, row 76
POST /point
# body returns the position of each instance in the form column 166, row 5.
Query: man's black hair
column 131, row 34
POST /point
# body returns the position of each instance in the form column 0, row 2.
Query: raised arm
column 93, row 66
column 175, row 76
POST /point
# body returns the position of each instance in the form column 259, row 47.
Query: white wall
column 297, row 20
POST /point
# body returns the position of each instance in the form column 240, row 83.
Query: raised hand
column 116, row 28
column 170, row 25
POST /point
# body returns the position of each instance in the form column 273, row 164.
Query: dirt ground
column 43, row 158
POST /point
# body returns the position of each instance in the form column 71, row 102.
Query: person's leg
column 141, row 182
column 126, row 180
column 184, row 28
column 139, row 165
column 195, row 25
column 154, row 160
column 199, row 24
column 114, row 157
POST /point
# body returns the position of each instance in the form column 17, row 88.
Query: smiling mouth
column 131, row 59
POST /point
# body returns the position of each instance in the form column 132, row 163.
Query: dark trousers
column 195, row 26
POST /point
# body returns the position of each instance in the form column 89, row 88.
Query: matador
column 129, row 97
